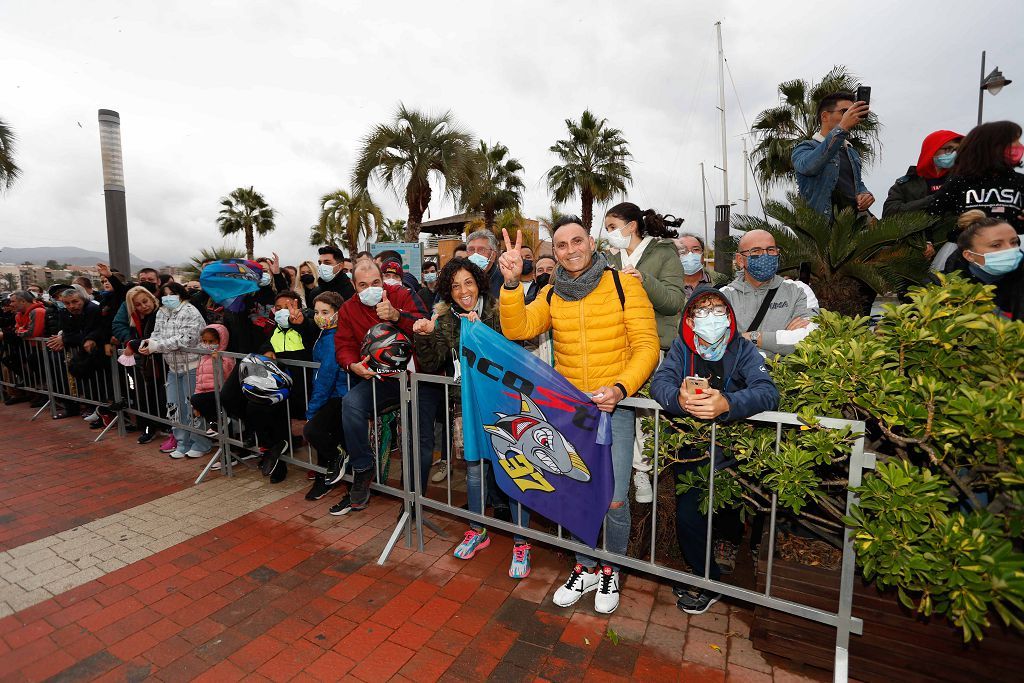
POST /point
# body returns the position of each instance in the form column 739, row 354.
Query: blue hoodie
column 747, row 386
column 329, row 381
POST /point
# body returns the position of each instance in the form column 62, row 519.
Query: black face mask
column 527, row 266
column 543, row 280
column 306, row 279
column 148, row 286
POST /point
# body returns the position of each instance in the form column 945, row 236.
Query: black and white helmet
column 262, row 380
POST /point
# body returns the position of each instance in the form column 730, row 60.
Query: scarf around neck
column 575, row 289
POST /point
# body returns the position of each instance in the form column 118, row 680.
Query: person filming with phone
column 711, row 372
column 828, row 167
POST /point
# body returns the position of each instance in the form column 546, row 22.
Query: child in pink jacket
column 204, row 401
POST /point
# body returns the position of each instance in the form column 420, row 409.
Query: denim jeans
column 617, row 520
column 180, row 386
column 520, row 513
column 358, row 409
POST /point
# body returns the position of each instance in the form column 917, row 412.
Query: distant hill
column 76, row 256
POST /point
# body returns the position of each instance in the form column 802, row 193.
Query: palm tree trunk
column 489, row 219
column 588, row 209
column 417, row 202
column 249, row 242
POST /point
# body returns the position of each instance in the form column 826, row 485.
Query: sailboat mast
column 746, row 172
column 721, row 111
column 704, row 197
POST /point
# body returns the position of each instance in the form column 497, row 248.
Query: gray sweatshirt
column 790, row 302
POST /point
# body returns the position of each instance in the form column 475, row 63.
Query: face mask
column 281, row 318
column 543, row 280
column 944, row 160
column 45, row 296
column 371, row 296
column 691, row 262
column 480, row 261
column 326, row 272
column 148, row 286
column 171, row 301
column 617, row 240
column 1001, row 262
column 325, row 323
column 762, row 268
column 429, row 277
column 527, row 266
column 214, row 346
column 392, row 282
column 265, row 279
column 348, row 274
column 712, row 328
column 1014, row 154
column 306, row 278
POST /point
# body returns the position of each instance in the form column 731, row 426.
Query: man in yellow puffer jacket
column 606, row 344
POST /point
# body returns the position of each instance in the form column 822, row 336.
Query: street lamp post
column 993, row 83
column 113, row 190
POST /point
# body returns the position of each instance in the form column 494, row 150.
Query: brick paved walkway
column 281, row 591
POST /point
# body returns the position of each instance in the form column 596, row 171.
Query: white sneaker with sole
column 195, row 454
column 607, row 598
column 580, row 581
column 177, row 455
column 441, row 474
column 642, row 482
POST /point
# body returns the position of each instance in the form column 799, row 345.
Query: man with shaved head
column 772, row 312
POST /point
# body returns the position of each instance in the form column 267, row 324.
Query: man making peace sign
column 606, row 344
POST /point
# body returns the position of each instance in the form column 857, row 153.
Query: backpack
column 618, row 288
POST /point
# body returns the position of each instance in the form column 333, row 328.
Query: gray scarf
column 575, row 289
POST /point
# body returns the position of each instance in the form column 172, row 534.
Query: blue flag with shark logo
column 548, row 442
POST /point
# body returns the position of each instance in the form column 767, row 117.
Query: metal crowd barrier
column 137, row 393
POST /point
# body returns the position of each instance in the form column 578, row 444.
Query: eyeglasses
column 683, row 251
column 705, row 311
column 841, row 112
column 947, row 149
column 759, row 251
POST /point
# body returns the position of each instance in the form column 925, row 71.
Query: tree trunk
column 489, row 219
column 417, row 202
column 588, row 209
column 249, row 242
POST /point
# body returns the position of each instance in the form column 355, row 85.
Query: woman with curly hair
column 463, row 292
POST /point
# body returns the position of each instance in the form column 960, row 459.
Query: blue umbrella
column 228, row 281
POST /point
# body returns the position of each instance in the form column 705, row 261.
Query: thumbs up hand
column 385, row 311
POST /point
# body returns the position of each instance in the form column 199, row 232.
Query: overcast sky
column 215, row 95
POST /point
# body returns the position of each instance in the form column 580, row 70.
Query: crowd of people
column 646, row 313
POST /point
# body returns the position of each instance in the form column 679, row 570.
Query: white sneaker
column 644, row 493
column 441, row 474
column 580, row 581
column 607, row 598
column 194, row 453
column 177, row 455
column 92, row 417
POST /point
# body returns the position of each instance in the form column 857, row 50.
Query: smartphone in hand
column 864, row 94
column 695, row 385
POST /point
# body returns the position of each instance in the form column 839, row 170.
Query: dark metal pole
column 113, row 190
column 981, row 87
column 723, row 244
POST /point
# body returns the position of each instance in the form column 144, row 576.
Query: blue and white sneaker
column 520, row 567
column 474, row 541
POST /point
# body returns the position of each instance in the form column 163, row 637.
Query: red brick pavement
column 55, row 478
column 289, row 593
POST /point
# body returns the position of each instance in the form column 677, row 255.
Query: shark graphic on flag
column 548, row 442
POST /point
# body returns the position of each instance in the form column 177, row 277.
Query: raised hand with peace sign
column 511, row 262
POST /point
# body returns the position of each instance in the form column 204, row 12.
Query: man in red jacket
column 375, row 302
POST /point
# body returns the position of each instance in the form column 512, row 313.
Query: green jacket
column 663, row 282
column 434, row 351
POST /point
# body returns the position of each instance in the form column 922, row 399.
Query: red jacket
column 355, row 319
column 32, row 321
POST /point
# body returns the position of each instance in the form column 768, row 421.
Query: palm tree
column 411, row 151
column 346, row 217
column 195, row 264
column 247, row 212
column 9, row 171
column 391, row 230
column 779, row 129
column 884, row 255
column 499, row 185
column 593, row 164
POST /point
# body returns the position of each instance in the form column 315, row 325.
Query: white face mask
column 617, row 240
column 390, row 281
column 326, row 272
column 281, row 318
column 371, row 296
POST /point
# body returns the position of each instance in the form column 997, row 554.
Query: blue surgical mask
column 281, row 318
column 171, row 301
column 1001, row 262
column 479, row 260
column 691, row 262
column 429, row 277
column 944, row 160
column 371, row 296
column 326, row 272
column 711, row 328
column 763, row 268
column 265, row 279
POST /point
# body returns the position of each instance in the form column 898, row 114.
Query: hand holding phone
column 864, row 94
column 695, row 385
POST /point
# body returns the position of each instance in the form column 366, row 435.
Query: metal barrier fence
column 137, row 392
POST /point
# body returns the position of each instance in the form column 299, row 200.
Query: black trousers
column 692, row 525
column 324, row 431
